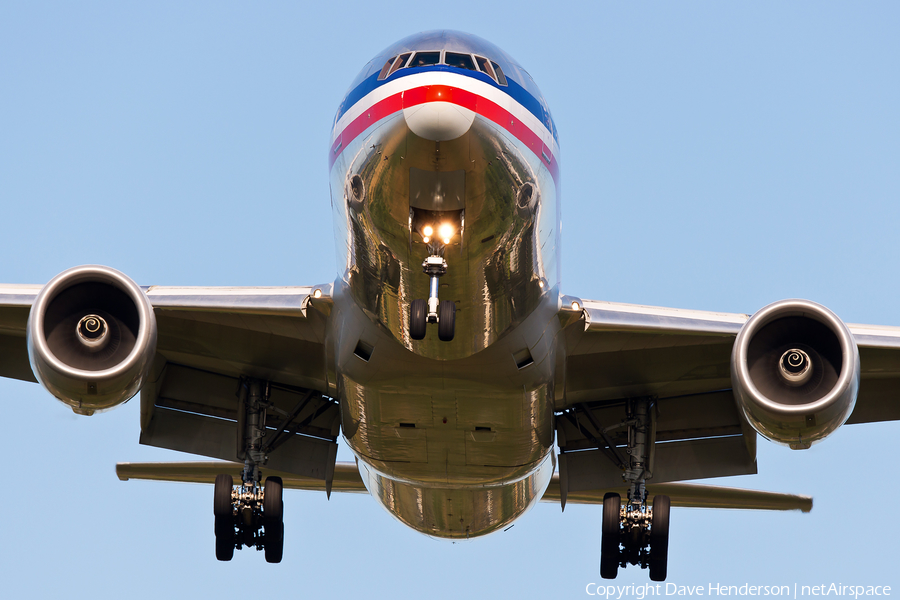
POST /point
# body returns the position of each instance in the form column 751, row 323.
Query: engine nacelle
column 795, row 372
column 91, row 338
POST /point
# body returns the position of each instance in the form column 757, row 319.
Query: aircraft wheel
column 273, row 503
column 222, row 496
column 273, row 515
column 609, row 541
column 224, row 538
column 447, row 320
column 659, row 538
column 418, row 313
column 274, row 542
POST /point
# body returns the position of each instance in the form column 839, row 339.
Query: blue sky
column 716, row 156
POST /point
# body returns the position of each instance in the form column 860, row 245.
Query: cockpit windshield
column 461, row 61
column 423, row 59
column 456, row 60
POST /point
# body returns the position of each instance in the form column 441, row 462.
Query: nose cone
column 438, row 121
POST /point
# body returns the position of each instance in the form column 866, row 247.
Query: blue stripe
column 514, row 90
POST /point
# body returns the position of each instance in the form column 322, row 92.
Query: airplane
column 445, row 353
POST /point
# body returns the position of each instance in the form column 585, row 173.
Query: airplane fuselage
column 455, row 437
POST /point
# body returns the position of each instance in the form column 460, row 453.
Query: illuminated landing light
column 446, row 232
column 317, row 293
column 426, row 239
column 576, row 306
column 427, row 231
column 541, row 284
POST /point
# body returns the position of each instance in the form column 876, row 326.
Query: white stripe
column 457, row 80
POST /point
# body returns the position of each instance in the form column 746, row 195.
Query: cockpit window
column 401, row 60
column 501, row 78
column 386, row 68
column 423, row 59
column 485, row 66
column 453, row 59
column 393, row 64
column 460, row 61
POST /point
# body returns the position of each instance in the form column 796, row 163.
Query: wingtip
column 808, row 505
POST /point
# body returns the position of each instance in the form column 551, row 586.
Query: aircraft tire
column 447, row 321
column 609, row 540
column 274, row 542
column 222, row 496
column 417, row 319
column 224, row 538
column 659, row 538
column 273, row 515
column 273, row 503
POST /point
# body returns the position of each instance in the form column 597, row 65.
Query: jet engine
column 91, row 338
column 795, row 372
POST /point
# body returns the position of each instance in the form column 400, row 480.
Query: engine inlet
column 795, row 372
column 795, row 367
column 92, row 331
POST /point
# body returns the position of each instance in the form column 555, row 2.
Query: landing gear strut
column 636, row 533
column 434, row 311
column 250, row 514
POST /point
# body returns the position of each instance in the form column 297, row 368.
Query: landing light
column 576, row 306
column 446, row 232
column 427, row 230
column 317, row 293
column 426, row 239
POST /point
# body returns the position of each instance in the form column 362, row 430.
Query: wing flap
column 198, row 412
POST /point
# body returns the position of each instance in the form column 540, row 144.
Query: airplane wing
column 682, row 358
column 209, row 339
column 15, row 303
column 347, row 479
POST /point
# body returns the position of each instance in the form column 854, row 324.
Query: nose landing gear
column 434, row 310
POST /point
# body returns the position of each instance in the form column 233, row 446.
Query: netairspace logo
column 640, row 592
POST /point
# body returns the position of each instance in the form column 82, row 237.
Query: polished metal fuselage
column 453, row 438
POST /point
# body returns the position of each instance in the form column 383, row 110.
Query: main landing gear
column 250, row 514
column 636, row 533
column 434, row 311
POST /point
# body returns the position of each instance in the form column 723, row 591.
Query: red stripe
column 444, row 93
